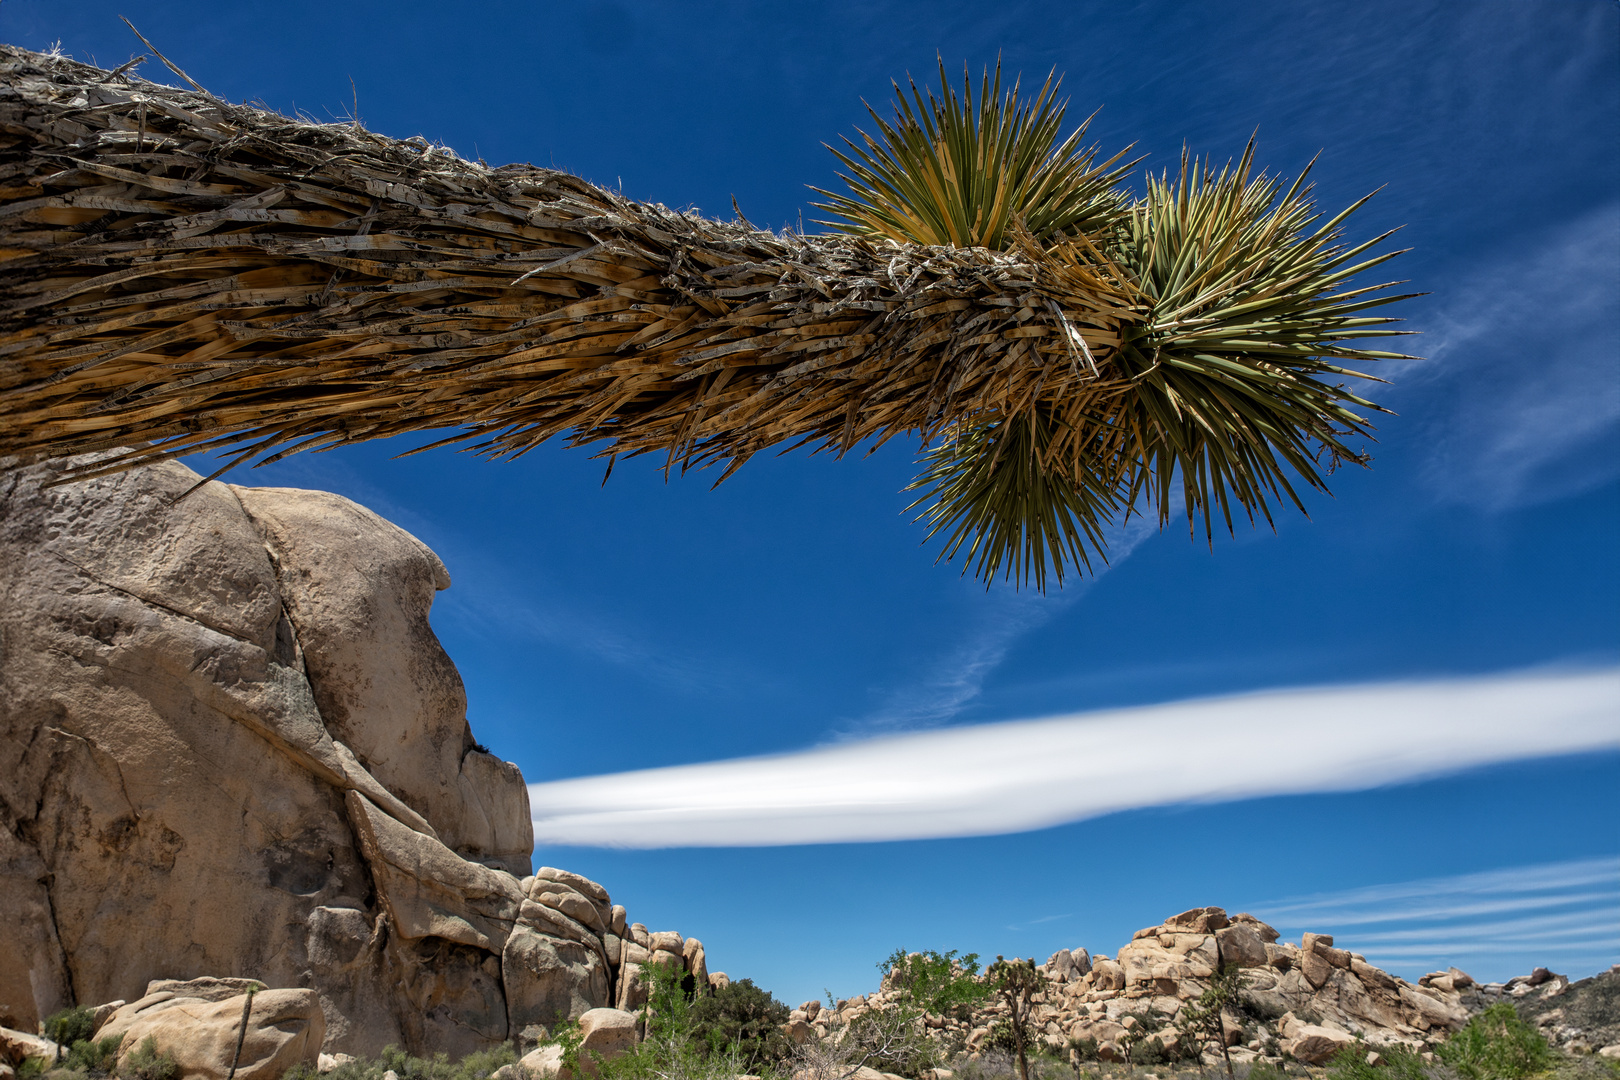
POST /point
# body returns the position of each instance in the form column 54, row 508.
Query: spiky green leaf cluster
column 1229, row 382
column 960, row 171
column 1248, row 308
column 989, row 487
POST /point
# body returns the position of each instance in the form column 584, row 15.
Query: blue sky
column 647, row 624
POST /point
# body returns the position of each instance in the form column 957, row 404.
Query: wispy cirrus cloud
column 1526, row 359
column 1494, row 924
column 953, row 681
column 1011, row 777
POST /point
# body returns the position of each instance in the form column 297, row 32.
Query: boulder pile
column 1580, row 1017
column 1306, row 1001
column 231, row 745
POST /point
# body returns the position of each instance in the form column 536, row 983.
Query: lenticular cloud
column 1030, row 774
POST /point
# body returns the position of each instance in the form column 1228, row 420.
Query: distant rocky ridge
column 231, row 746
column 1305, row 1001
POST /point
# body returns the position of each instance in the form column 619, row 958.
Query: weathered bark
column 180, row 272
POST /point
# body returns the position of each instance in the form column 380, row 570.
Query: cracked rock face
column 231, row 745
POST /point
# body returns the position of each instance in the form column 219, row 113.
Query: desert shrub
column 475, row 1066
column 147, row 1062
column 1496, row 1045
column 992, row 1065
column 1001, row 1065
column 480, row 1064
column 1265, row 1070
column 896, row 1041
column 944, row 984
column 1000, row 1037
column 1082, row 1050
column 670, row 1050
column 1399, row 1063
column 744, row 1018
column 1150, row 1051
column 94, row 1057
column 70, row 1025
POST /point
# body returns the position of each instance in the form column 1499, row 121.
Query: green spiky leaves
column 959, row 171
column 994, row 489
column 1247, row 309
column 1228, row 382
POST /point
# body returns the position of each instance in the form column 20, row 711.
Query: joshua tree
column 1206, row 1015
column 1018, row 983
column 181, row 273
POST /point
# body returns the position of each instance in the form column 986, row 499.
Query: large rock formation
column 231, row 745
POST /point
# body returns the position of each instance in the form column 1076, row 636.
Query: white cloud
column 1523, row 379
column 1494, row 924
column 1010, row 777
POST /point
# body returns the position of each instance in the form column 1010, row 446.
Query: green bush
column 96, row 1057
column 1264, row 1070
column 1149, row 1051
column 945, row 984
column 70, row 1025
column 147, row 1062
column 1082, row 1050
column 672, row 1050
column 1496, row 1045
column 475, row 1066
column 741, row 1018
column 1000, row 1037
column 1399, row 1063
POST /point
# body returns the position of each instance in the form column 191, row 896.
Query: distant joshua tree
column 181, row 274
column 1018, row 983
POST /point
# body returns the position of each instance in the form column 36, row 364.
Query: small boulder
column 1372, row 976
column 1204, row 920
column 607, row 1032
column 1314, row 1044
column 18, row 1046
column 102, row 1013
column 1107, row 975
column 542, row 1063
column 284, row 1028
column 1264, row 931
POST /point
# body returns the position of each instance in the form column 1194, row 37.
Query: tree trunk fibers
column 180, row 273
